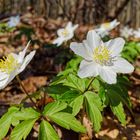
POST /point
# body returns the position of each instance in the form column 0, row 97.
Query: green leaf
column 103, row 96
column 65, row 72
column 58, row 80
column 22, row 130
column 121, row 89
column 94, row 98
column 93, row 108
column 116, row 105
column 46, row 132
column 76, row 104
column 75, row 82
column 6, row 121
column 26, row 114
column 54, row 107
column 96, row 84
column 69, row 95
column 67, row 121
column 57, row 89
column 74, row 63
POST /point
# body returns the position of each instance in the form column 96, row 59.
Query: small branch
column 25, row 91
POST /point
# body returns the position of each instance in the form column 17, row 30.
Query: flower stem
column 90, row 82
column 83, row 109
column 25, row 91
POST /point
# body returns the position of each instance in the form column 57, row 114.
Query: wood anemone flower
column 104, row 28
column 12, row 65
column 101, row 58
column 65, row 34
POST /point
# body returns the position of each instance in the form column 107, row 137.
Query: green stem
column 90, row 82
column 83, row 109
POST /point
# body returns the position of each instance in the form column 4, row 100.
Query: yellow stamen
column 106, row 25
column 101, row 55
column 65, row 33
column 8, row 64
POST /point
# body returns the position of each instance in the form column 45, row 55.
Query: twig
column 25, row 91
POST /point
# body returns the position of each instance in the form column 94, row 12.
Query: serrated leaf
column 26, row 114
column 6, row 121
column 54, row 107
column 69, row 95
column 75, row 82
column 96, row 84
column 67, row 121
column 57, row 89
column 74, row 63
column 123, row 92
column 22, row 130
column 116, row 105
column 94, row 98
column 57, row 80
column 65, row 72
column 76, row 104
column 93, row 108
column 46, row 132
column 103, row 96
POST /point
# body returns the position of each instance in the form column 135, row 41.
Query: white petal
column 115, row 45
column 3, row 83
column 108, row 75
column 6, row 79
column 75, row 27
column 93, row 39
column 69, row 25
column 59, row 32
column 114, row 23
column 22, row 53
column 87, row 69
column 69, row 36
column 26, row 61
column 122, row 66
column 81, row 50
column 58, row 41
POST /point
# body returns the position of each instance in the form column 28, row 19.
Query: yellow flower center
column 102, row 55
column 106, row 25
column 8, row 64
column 65, row 33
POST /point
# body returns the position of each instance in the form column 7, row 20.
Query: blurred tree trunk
column 80, row 11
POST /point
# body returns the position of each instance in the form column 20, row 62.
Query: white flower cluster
column 99, row 58
column 67, row 33
column 105, row 28
column 127, row 32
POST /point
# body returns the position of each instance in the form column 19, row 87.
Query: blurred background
column 80, row 11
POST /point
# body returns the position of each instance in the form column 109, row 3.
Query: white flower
column 101, row 58
column 126, row 32
column 104, row 28
column 65, row 34
column 14, row 21
column 137, row 33
column 12, row 65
